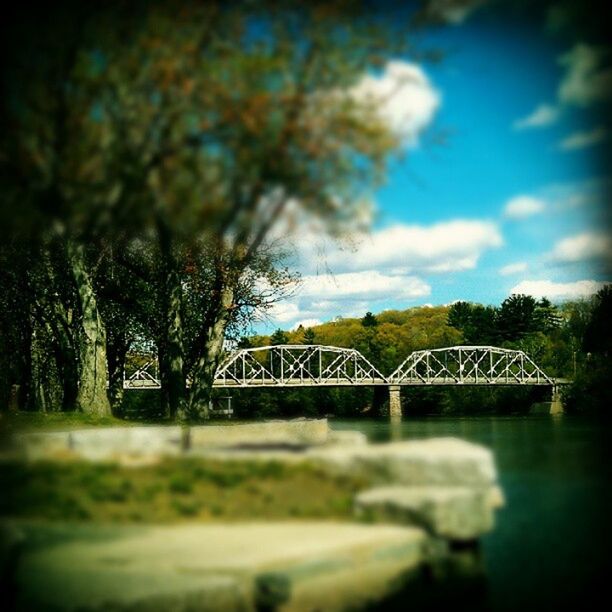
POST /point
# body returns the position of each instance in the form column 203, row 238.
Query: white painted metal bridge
column 329, row 366
column 469, row 365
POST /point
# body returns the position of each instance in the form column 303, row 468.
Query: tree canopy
column 146, row 152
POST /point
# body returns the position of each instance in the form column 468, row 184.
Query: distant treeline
column 571, row 340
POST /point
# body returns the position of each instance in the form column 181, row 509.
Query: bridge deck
column 271, row 384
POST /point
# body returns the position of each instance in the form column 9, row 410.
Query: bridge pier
column 395, row 403
column 556, row 405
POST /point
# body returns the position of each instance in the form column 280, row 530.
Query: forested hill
column 549, row 334
column 570, row 340
column 386, row 338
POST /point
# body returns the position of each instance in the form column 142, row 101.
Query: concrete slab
column 434, row 461
column 332, row 566
column 293, row 433
column 455, row 513
column 103, row 443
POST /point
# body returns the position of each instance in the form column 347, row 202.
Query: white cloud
column 366, row 285
column 284, row 311
column 542, row 116
column 582, row 140
column 306, row 323
column 582, row 247
column 322, row 297
column 348, row 277
column 451, row 246
column 523, row 206
column 513, row 268
column 552, row 290
column 586, row 80
column 402, row 96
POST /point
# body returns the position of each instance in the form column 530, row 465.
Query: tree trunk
column 65, row 356
column 173, row 354
column 171, row 359
column 205, row 366
column 46, row 384
column 117, row 348
column 93, row 372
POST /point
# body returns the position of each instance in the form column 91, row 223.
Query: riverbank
column 154, row 487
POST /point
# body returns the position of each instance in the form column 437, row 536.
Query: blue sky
column 502, row 189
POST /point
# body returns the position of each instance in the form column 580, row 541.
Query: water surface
column 551, row 543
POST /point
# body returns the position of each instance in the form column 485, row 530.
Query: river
column 551, row 543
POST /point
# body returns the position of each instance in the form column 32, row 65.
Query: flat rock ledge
column 423, row 495
column 430, row 462
column 241, row 567
column 146, row 443
column 454, row 513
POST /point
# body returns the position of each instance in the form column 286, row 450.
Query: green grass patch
column 174, row 490
column 54, row 421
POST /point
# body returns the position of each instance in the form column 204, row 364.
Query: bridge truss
column 297, row 365
column 469, row 365
column 141, row 371
column 317, row 366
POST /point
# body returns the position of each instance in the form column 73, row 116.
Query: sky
column 502, row 187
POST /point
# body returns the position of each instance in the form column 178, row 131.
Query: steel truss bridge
column 329, row 366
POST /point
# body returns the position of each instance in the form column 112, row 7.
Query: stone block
column 295, row 433
column 436, row 461
column 103, row 444
column 125, row 442
column 456, row 513
column 43, row 445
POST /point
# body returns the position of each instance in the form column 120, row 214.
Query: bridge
column 297, row 365
column 469, row 365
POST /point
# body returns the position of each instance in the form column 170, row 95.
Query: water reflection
column 395, row 428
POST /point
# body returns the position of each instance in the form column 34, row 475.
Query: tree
column 369, row 320
column 590, row 390
column 517, row 317
column 547, row 316
column 459, row 315
column 478, row 323
column 238, row 147
column 279, row 337
column 598, row 332
column 309, row 336
column 244, row 342
column 195, row 153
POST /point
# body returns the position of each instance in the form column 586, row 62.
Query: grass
column 172, row 491
column 52, row 421
column 61, row 421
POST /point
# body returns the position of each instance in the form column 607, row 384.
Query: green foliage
column 517, row 317
column 279, row 337
column 553, row 336
column 309, row 336
column 166, row 175
column 598, row 331
column 478, row 323
column 369, row 320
